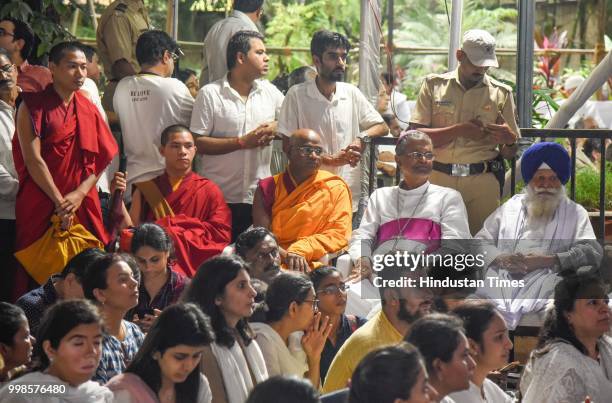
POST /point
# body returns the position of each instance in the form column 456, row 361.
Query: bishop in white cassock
column 536, row 235
column 416, row 216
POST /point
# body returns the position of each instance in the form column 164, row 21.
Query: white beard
column 542, row 203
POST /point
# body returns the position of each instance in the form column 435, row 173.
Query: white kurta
column 568, row 235
column 235, row 371
column 492, row 394
column 280, row 358
column 565, row 375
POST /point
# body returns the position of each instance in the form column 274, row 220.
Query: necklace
column 399, row 212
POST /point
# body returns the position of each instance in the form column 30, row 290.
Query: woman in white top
column 233, row 364
column 65, row 358
column 166, row 368
column 291, row 304
column 441, row 341
column 573, row 358
column 490, row 347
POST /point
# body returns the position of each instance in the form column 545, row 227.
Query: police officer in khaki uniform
column 118, row 30
column 470, row 118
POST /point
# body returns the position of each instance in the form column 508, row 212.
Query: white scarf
column 234, row 369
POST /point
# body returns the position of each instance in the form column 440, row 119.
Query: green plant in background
column 46, row 25
column 293, row 24
column 587, row 188
column 425, row 24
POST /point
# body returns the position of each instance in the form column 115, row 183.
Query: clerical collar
column 417, row 190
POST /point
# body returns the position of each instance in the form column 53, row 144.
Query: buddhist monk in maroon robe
column 189, row 207
column 61, row 147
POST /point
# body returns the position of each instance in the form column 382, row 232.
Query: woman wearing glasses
column 293, row 336
column 331, row 293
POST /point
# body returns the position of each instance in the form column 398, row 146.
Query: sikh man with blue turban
column 536, row 235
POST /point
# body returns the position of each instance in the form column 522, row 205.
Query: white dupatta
column 235, row 370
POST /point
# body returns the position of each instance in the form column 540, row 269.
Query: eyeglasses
column 7, row 68
column 305, row 151
column 174, row 56
column 418, row 155
column 273, row 254
column 4, row 32
column 333, row 289
column 314, row 302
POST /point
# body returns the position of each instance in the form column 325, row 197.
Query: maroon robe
column 202, row 222
column 75, row 143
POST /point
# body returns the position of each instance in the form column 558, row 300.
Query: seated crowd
column 205, row 278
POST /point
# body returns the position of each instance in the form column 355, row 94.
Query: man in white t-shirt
column 235, row 118
column 243, row 17
column 337, row 110
column 149, row 102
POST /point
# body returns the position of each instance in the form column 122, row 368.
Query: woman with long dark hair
column 65, row 358
column 233, row 364
column 490, row 347
column 166, row 368
column 160, row 285
column 112, row 283
column 573, row 358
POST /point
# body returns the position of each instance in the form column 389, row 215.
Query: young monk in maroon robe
column 189, row 207
column 62, row 146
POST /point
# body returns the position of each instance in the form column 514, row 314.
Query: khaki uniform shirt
column 118, row 30
column 443, row 102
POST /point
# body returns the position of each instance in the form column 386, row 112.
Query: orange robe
column 311, row 219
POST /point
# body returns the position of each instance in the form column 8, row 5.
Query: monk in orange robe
column 61, row 147
column 189, row 207
column 308, row 209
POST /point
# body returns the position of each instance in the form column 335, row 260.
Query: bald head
column 303, row 136
column 304, row 153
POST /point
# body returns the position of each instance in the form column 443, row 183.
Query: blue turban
column 553, row 154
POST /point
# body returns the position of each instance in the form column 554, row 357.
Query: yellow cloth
column 377, row 332
column 50, row 253
column 315, row 218
column 175, row 182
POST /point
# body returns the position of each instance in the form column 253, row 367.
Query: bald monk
column 308, row 209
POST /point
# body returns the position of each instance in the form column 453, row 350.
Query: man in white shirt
column 245, row 15
column 149, row 102
column 235, row 118
column 9, row 182
column 336, row 110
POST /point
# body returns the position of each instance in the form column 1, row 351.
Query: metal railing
column 570, row 134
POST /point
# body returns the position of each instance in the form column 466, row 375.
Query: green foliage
column 292, row 25
column 424, row 23
column 587, row 188
column 43, row 24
